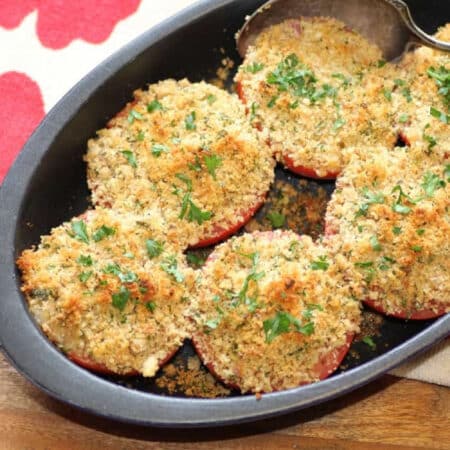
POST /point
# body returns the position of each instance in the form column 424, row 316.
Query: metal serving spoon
column 387, row 23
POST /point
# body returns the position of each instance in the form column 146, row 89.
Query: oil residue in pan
column 297, row 204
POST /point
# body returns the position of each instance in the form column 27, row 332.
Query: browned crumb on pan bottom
column 190, row 379
column 303, row 209
column 370, row 325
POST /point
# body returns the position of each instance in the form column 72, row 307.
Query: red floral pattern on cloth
column 22, row 110
column 62, row 21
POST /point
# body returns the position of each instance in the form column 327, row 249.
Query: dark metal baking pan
column 47, row 185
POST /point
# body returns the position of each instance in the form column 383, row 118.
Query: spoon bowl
column 387, row 23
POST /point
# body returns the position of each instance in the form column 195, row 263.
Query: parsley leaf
column 157, row 149
column 369, row 342
column 134, row 115
column 375, row 244
column 212, row 163
column 84, row 276
column 195, row 260
column 154, row 105
column 320, row 264
column 120, row 299
column 79, row 231
column 254, row 67
column 130, row 157
column 103, row 232
column 151, row 306
column 189, row 121
column 276, row 219
column 211, row 99
column 85, row 260
column 284, row 322
column 432, row 183
column 447, row 172
column 444, row 118
column 371, row 198
column 170, row 266
column 442, row 78
column 154, row 248
column 196, row 214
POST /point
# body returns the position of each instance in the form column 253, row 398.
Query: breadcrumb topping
column 272, row 306
column 111, row 289
column 188, row 148
column 304, row 81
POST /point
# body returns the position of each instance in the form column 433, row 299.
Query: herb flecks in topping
column 444, row 118
column 103, row 232
column 369, row 342
column 134, row 115
column 320, row 264
column 375, row 244
column 157, row 149
column 170, row 266
column 130, row 157
column 441, row 76
column 79, row 231
column 254, row 67
column 85, row 260
column 189, row 121
column 84, row 276
column 212, row 163
column 284, row 322
column 431, row 183
column 372, row 198
column 120, row 298
column 154, row 248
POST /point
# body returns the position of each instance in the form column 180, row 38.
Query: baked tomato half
column 417, row 314
column 307, row 171
column 221, row 232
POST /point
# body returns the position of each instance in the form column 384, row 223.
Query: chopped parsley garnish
column 103, row 232
column 85, row 260
column 84, row 276
column 401, row 209
column 375, row 243
column 283, row 322
column 381, row 63
column 368, row 267
column 442, row 78
column 432, row 142
column 444, row 118
column 188, row 208
column 140, row 136
column 151, row 306
column 386, row 263
column 387, row 94
column 154, row 105
column 320, row 264
column 120, row 299
column 431, row 183
column 371, row 198
column 345, row 80
column 420, row 231
column 416, row 248
column 134, row 115
column 254, row 67
column 189, row 121
column 447, row 172
column 253, row 108
column 212, row 163
column 124, row 277
column 79, row 231
column 397, row 230
column 364, row 265
column 338, row 123
column 272, row 101
column 252, row 276
column 310, row 307
column 398, row 206
column 213, row 323
column 292, row 76
column 369, row 342
column 170, row 266
column 157, row 149
column 211, row 99
column 130, row 157
column 197, row 165
column 195, row 260
column 154, row 248
column 276, row 219
column 403, row 118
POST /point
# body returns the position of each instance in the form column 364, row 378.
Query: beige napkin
column 56, row 70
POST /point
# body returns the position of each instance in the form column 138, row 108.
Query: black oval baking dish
column 47, row 186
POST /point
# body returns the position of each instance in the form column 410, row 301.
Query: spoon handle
column 425, row 38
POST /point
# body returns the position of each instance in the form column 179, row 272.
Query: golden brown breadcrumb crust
column 111, row 289
column 251, row 282
column 188, row 148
